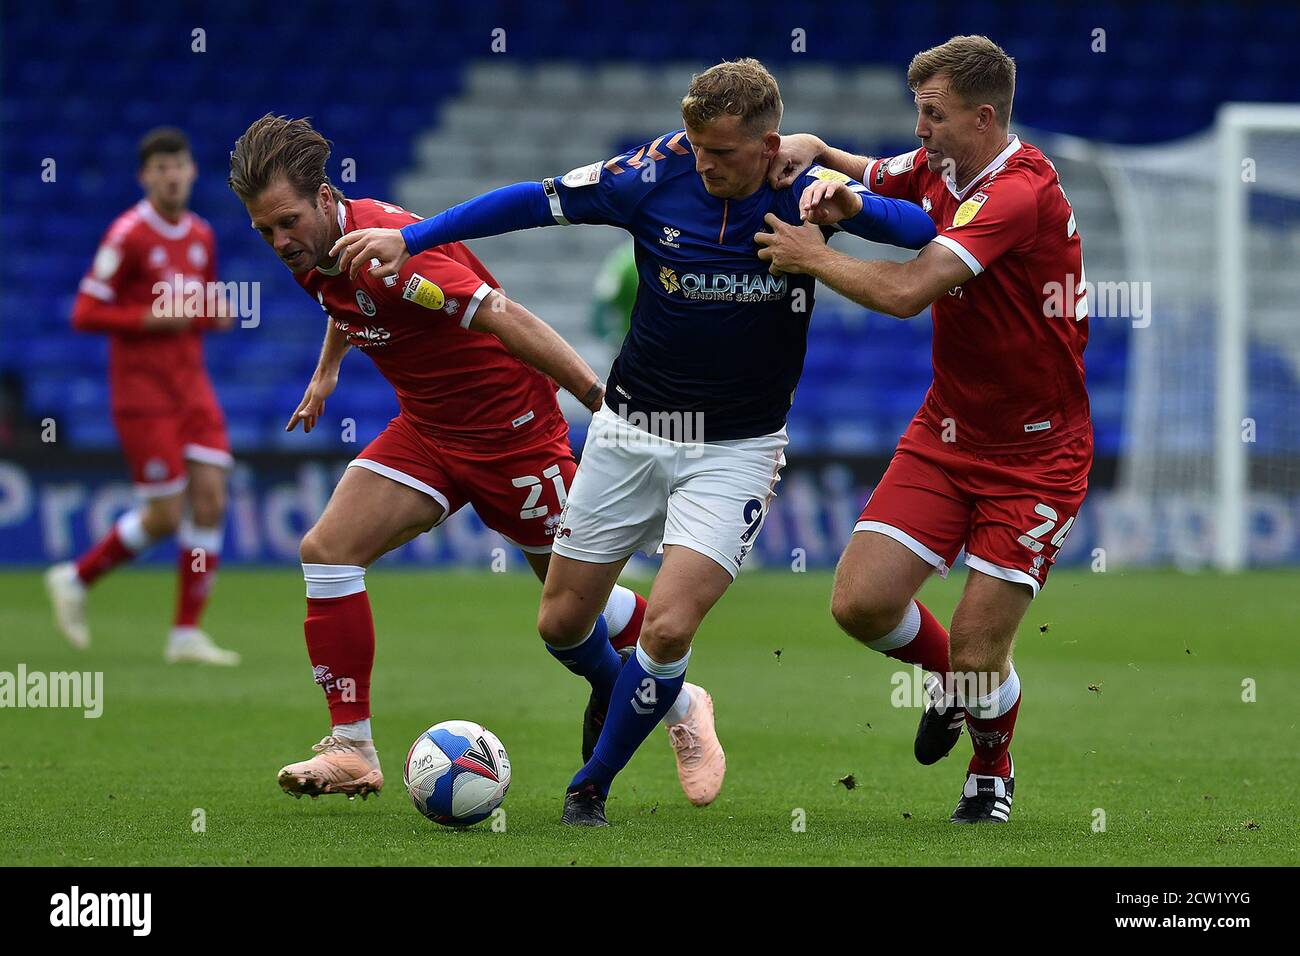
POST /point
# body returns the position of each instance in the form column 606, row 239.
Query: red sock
column 341, row 644
column 197, row 574
column 929, row 648
column 103, row 556
column 991, row 736
column 632, row 630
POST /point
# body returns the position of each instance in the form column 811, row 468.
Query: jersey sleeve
column 607, row 193
column 435, row 285
column 992, row 222
column 99, row 306
column 111, row 267
column 897, row 176
column 881, row 218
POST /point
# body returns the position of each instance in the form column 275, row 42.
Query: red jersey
column 1008, row 342
column 147, row 371
column 456, row 385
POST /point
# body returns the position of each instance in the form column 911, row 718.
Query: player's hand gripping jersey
column 713, row 332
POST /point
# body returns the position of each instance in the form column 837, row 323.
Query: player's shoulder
column 375, row 213
column 201, row 225
column 1028, row 165
column 129, row 224
column 665, row 157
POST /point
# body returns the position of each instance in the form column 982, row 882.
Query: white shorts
column 635, row 491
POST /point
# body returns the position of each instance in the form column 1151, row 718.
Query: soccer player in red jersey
column 475, row 376
column 997, row 459
column 167, row 417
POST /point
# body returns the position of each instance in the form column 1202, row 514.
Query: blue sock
column 644, row 692
column 594, row 659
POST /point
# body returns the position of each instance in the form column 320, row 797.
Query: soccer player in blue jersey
column 686, row 453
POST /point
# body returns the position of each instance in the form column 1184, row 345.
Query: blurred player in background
column 164, row 408
column 716, row 343
column 475, row 376
column 997, row 458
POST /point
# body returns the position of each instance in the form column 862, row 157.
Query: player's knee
column 666, row 636
column 318, row 547
column 162, row 517
column 558, row 626
column 864, row 615
column 209, row 508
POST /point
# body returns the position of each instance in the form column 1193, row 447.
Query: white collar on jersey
column 168, row 230
column 343, row 227
column 1000, row 160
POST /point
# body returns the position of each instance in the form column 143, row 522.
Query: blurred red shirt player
column 172, row 431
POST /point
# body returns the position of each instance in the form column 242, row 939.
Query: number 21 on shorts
column 534, row 485
column 1032, row 539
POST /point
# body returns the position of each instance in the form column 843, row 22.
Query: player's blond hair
column 978, row 70
column 277, row 147
column 742, row 88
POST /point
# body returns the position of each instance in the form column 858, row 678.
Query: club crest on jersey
column 365, row 303
column 198, row 255
column 926, row 204
column 967, row 210
column 423, row 293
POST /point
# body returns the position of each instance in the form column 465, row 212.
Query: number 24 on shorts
column 1030, row 539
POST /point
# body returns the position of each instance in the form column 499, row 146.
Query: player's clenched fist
column 362, row 245
column 321, row 387
column 825, row 203
column 797, row 152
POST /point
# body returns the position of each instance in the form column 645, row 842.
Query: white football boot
column 189, row 645
column 68, row 597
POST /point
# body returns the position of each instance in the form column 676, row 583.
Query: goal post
column 1238, row 170
column 1208, row 229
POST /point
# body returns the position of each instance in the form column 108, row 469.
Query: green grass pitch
column 1184, row 770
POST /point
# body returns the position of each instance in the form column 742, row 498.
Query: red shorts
column 518, row 494
column 157, row 444
column 1010, row 512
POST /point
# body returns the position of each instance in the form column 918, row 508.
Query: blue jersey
column 713, row 332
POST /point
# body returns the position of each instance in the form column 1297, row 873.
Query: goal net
column 1207, row 275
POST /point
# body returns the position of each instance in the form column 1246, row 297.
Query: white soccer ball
column 457, row 772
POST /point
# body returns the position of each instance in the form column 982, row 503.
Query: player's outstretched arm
column 323, row 381
column 868, row 216
column 508, row 209
column 800, row 150
column 535, row 343
column 900, row 289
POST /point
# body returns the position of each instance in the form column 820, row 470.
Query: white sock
column 999, row 701
column 333, row 580
column 619, row 609
column 130, row 531
column 677, row 712
column 357, row 730
column 191, row 536
column 903, row 634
